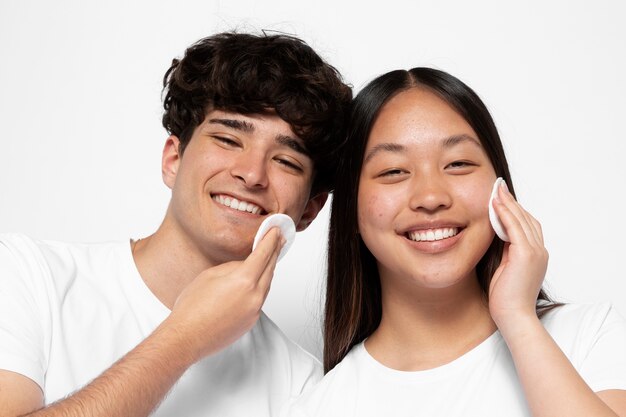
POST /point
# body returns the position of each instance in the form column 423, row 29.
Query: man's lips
column 238, row 204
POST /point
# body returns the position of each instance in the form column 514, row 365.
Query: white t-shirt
column 68, row 311
column 481, row 383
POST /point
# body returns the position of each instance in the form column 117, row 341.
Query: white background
column 81, row 138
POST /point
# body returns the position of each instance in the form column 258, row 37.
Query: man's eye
column 226, row 141
column 287, row 163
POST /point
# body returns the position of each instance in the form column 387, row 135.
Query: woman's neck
column 423, row 328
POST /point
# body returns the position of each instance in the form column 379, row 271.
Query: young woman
column 428, row 313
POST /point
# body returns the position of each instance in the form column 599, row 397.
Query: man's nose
column 250, row 168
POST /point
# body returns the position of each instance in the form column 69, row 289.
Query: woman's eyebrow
column 384, row 147
column 457, row 139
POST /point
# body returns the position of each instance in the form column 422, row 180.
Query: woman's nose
column 430, row 193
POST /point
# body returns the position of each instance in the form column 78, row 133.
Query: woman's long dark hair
column 353, row 293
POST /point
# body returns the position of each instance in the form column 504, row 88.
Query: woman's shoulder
column 581, row 328
column 581, row 315
column 593, row 337
column 346, row 370
column 331, row 396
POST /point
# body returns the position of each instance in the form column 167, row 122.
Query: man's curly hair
column 248, row 74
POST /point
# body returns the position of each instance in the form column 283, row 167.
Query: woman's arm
column 552, row 385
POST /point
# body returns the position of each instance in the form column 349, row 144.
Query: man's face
column 235, row 171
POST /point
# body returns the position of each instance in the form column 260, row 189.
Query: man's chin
column 228, row 253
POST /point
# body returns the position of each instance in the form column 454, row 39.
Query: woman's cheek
column 475, row 198
column 376, row 211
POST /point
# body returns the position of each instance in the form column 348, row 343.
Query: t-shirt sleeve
column 22, row 336
column 604, row 367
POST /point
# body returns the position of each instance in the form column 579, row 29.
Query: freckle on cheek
column 374, row 209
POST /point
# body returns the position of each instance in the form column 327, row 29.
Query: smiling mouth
column 240, row 205
column 431, row 235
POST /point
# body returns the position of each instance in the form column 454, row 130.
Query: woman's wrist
column 517, row 325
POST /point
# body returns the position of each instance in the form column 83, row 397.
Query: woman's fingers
column 517, row 221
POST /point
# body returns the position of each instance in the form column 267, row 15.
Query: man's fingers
column 261, row 256
column 265, row 280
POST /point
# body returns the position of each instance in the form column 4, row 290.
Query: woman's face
column 424, row 191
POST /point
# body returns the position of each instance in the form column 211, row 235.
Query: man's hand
column 214, row 310
column 224, row 302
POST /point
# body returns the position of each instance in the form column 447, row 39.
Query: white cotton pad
column 287, row 229
column 493, row 217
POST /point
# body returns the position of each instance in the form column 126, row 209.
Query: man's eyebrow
column 292, row 143
column 384, row 147
column 248, row 127
column 457, row 139
column 241, row 125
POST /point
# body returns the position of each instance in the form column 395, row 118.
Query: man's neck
column 167, row 262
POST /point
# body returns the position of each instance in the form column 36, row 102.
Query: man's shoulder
column 21, row 251
column 19, row 245
column 19, row 242
column 285, row 356
column 54, row 261
column 279, row 343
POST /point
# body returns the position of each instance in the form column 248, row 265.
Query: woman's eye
column 391, row 172
column 460, row 164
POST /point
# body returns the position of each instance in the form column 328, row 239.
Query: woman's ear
column 311, row 210
column 170, row 161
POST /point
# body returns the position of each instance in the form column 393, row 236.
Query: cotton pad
column 287, row 229
column 493, row 217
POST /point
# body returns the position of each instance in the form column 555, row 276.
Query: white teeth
column 236, row 204
column 432, row 234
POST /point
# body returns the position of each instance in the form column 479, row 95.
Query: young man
column 109, row 329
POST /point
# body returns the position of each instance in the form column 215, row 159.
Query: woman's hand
column 517, row 281
column 546, row 374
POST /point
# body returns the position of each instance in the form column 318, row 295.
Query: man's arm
column 137, row 383
column 133, row 386
column 18, row 394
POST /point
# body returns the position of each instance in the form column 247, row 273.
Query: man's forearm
column 134, row 385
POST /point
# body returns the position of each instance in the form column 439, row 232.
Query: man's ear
column 311, row 210
column 170, row 161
